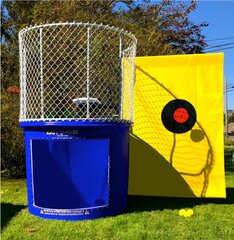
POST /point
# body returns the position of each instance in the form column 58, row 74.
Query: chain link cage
column 76, row 71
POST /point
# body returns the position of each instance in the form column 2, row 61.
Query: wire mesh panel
column 76, row 71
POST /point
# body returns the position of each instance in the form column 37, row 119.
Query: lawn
column 145, row 218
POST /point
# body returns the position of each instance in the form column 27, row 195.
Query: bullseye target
column 178, row 116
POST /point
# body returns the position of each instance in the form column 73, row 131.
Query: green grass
column 145, row 218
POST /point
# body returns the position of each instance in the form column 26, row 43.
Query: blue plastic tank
column 76, row 108
column 76, row 171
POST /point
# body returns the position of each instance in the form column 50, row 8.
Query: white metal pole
column 21, row 77
column 88, row 66
column 226, row 118
column 42, row 84
column 120, row 76
column 24, row 83
column 132, row 83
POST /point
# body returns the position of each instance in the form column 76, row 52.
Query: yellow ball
column 190, row 211
column 182, row 212
column 186, row 212
column 187, row 215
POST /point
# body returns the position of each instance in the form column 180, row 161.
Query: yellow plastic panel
column 163, row 163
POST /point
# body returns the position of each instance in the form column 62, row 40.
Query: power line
column 215, row 50
column 219, row 39
column 220, row 45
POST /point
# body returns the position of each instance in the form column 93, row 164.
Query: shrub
column 229, row 142
column 12, row 146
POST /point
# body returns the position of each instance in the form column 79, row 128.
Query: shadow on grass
column 145, row 203
column 8, row 211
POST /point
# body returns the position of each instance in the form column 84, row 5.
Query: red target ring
column 181, row 115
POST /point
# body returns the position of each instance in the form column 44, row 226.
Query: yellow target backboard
column 176, row 145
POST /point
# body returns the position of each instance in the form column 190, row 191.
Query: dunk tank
column 76, row 108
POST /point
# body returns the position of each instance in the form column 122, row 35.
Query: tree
column 165, row 28
column 12, row 138
column 160, row 27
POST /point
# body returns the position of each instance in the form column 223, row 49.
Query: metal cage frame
column 76, row 71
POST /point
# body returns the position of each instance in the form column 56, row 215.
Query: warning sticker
column 64, row 212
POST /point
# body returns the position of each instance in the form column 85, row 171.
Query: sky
column 220, row 16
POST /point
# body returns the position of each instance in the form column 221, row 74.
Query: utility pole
column 226, row 117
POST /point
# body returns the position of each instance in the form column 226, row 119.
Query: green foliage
column 10, row 66
column 229, row 142
column 164, row 28
column 229, row 155
column 161, row 27
column 231, row 117
column 12, row 138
